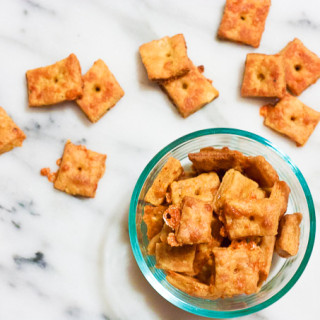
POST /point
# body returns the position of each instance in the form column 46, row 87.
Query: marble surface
column 67, row 258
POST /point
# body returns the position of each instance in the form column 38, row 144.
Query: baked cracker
column 301, row 65
column 101, row 91
column 292, row 118
column 11, row 135
column 55, row 83
column 165, row 58
column 80, row 170
column 264, row 76
column 244, row 20
column 190, row 92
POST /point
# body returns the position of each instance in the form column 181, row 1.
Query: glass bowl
column 284, row 273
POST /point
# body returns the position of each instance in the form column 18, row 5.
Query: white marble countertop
column 67, row 258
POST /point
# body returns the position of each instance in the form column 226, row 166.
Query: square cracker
column 101, row 91
column 202, row 187
column 264, row 76
column 302, row 66
column 244, row 20
column 190, row 92
column 11, row 135
column 169, row 173
column 234, row 185
column 249, row 218
column 292, row 118
column 179, row 259
column 237, row 269
column 55, row 83
column 267, row 248
column 165, row 58
column 195, row 222
column 80, row 170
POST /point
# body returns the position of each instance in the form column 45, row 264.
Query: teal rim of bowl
column 146, row 271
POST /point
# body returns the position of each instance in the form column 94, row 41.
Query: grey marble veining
column 67, row 258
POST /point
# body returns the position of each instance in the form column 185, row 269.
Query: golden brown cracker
column 101, row 91
column 267, row 247
column 190, row 92
column 179, row 259
column 292, row 118
column 237, row 269
column 195, row 222
column 287, row 243
column 202, row 187
column 234, row 185
column 214, row 159
column 280, row 193
column 11, row 135
column 249, row 218
column 264, row 76
column 153, row 218
column 244, row 21
column 261, row 171
column 301, row 65
column 55, row 83
column 188, row 285
column 169, row 173
column 80, row 170
column 165, row 58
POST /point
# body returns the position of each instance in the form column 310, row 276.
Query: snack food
column 220, row 245
column 165, row 58
column 301, row 65
column 292, row 118
column 244, row 20
column 80, row 171
column 264, row 76
column 190, row 92
column 167, row 62
column 11, row 135
column 287, row 243
column 55, row 83
column 101, row 91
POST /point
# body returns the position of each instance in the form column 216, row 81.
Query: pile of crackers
column 95, row 93
column 295, row 68
column 214, row 229
column 167, row 63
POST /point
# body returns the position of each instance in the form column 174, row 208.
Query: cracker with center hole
column 301, row 65
column 202, row 187
column 165, row 58
column 101, row 91
column 292, row 118
column 191, row 92
column 243, row 21
column 55, row 83
column 237, row 269
column 80, row 170
column 11, row 135
column 264, row 76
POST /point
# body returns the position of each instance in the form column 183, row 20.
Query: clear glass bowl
column 284, row 272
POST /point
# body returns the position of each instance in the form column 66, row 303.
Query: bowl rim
column 134, row 239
